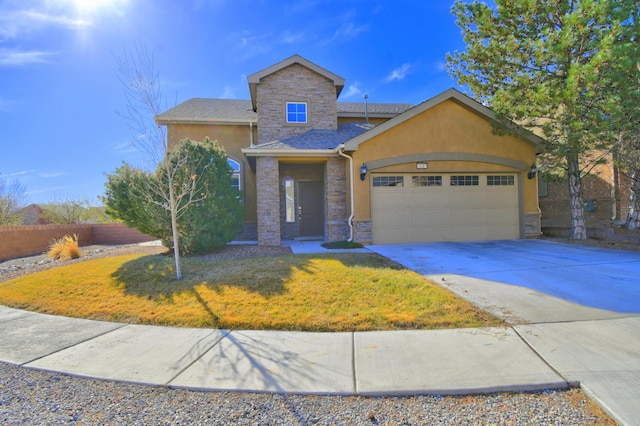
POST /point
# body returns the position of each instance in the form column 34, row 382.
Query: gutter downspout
column 350, row 220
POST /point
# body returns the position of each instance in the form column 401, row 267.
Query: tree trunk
column 174, row 222
column 633, row 217
column 576, row 201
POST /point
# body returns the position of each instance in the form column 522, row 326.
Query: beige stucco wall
column 448, row 131
column 233, row 138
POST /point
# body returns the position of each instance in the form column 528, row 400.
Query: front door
column 310, row 209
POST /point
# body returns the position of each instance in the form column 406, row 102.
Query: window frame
column 296, row 113
column 500, row 180
column 235, row 173
column 388, row 181
column 464, row 180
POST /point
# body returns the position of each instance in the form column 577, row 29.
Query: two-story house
column 312, row 167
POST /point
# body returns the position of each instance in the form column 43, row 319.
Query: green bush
column 208, row 218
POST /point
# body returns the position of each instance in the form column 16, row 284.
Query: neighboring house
column 312, row 167
column 32, row 215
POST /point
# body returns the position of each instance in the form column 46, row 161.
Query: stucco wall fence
column 19, row 241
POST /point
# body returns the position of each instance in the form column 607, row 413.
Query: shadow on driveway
column 598, row 278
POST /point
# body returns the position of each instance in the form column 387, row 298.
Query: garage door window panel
column 501, row 180
column 465, row 180
column 427, row 180
column 388, row 181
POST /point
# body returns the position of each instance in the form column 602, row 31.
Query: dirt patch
column 620, row 240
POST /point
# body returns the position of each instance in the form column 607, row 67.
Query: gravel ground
column 44, row 398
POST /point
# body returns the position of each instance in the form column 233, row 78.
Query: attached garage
column 439, row 172
column 412, row 207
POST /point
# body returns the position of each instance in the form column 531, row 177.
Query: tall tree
column 544, row 65
column 624, row 96
column 12, row 199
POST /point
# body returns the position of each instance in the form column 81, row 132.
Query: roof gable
column 450, row 94
column 254, row 79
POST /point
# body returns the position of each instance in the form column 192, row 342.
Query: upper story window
column 235, row 177
column 296, row 112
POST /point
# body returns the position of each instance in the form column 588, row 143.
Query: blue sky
column 60, row 131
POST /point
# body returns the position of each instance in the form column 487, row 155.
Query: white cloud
column 16, row 23
column 287, row 37
column 228, row 93
column 352, row 91
column 50, row 175
column 6, row 105
column 23, row 172
column 17, row 58
column 399, row 73
column 125, row 148
column 346, row 31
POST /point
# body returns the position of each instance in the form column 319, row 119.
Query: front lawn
column 327, row 292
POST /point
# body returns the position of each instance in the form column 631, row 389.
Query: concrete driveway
column 596, row 278
column 576, row 307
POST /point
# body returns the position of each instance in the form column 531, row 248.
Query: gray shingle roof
column 372, row 108
column 318, row 139
column 207, row 109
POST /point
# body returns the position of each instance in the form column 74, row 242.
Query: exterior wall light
column 532, row 171
column 363, row 171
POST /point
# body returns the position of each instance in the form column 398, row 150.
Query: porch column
column 336, row 194
column 268, row 188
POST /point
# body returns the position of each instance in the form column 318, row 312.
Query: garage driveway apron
column 577, row 307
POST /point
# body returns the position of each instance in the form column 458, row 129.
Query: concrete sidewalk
column 367, row 363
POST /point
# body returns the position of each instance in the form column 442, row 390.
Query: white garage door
column 408, row 208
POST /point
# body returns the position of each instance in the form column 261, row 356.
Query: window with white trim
column 296, row 112
column 289, row 194
column 235, row 177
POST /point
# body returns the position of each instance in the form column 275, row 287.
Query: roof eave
column 257, row 152
column 166, row 121
column 369, row 114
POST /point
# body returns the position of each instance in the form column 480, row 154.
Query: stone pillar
column 268, row 188
column 362, row 232
column 532, row 225
column 335, row 186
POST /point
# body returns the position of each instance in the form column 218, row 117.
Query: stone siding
column 531, row 225
column 362, row 232
column 294, row 83
column 268, row 185
column 336, row 195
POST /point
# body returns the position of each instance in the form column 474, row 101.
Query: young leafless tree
column 172, row 187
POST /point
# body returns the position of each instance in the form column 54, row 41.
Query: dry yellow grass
column 66, row 248
column 333, row 292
